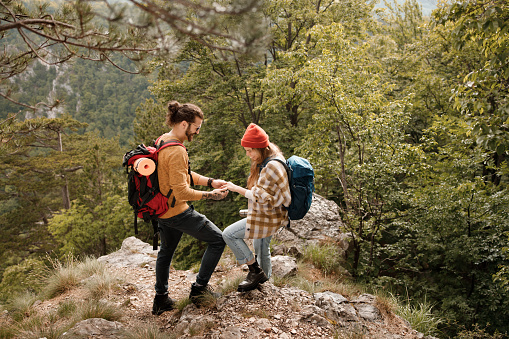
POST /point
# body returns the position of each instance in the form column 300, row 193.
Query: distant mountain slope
column 96, row 93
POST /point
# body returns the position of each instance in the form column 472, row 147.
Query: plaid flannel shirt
column 266, row 213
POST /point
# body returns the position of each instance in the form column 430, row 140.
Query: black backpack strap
column 149, row 193
column 281, row 162
column 136, row 222
column 155, row 242
column 189, row 171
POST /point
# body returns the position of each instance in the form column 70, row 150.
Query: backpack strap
column 155, row 241
column 285, row 165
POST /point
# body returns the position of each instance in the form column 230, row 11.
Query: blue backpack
column 302, row 185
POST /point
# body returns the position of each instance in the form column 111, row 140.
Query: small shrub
column 41, row 326
column 7, row 330
column 281, row 281
column 90, row 266
column 21, row 304
column 64, row 277
column 325, row 257
column 22, row 277
column 420, row 317
column 386, row 305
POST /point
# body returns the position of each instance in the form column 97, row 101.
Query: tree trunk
column 66, row 200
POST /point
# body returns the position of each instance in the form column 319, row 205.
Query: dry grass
column 24, row 321
column 149, row 331
column 230, row 285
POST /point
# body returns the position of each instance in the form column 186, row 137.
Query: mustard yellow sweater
column 172, row 171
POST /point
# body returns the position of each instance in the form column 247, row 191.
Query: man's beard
column 189, row 135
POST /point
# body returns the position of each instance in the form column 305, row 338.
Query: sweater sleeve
column 173, row 174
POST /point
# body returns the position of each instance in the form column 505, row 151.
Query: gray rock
column 262, row 324
column 321, row 223
column 96, row 328
column 365, row 306
column 283, row 266
column 234, row 332
column 336, row 307
column 133, row 252
column 368, row 312
column 314, row 315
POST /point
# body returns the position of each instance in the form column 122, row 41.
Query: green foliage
column 479, row 333
column 46, row 166
column 26, row 276
column 502, row 276
column 98, row 309
column 93, row 230
column 482, row 94
column 405, row 123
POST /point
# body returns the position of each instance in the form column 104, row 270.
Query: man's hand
column 218, row 183
column 217, row 194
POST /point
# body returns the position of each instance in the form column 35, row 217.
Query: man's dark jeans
column 170, row 232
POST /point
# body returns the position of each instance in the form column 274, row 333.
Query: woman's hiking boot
column 162, row 303
column 202, row 295
column 255, row 277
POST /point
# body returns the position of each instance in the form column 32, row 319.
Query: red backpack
column 143, row 192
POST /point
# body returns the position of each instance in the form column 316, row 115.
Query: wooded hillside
column 405, row 119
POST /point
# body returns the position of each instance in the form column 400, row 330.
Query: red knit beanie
column 255, row 137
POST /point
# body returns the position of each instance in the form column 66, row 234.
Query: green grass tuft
column 420, row 316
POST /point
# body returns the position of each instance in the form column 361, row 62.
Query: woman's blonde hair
column 269, row 151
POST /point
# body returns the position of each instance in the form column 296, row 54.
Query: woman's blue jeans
column 170, row 232
column 234, row 236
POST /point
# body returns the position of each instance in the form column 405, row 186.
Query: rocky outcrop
column 267, row 312
column 321, row 224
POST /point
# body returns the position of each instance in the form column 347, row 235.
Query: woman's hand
column 232, row 187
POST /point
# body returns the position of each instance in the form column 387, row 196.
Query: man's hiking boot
column 202, row 295
column 255, row 277
column 162, row 303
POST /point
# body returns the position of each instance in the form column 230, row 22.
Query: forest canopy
column 404, row 117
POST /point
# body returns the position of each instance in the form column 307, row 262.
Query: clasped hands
column 222, row 188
